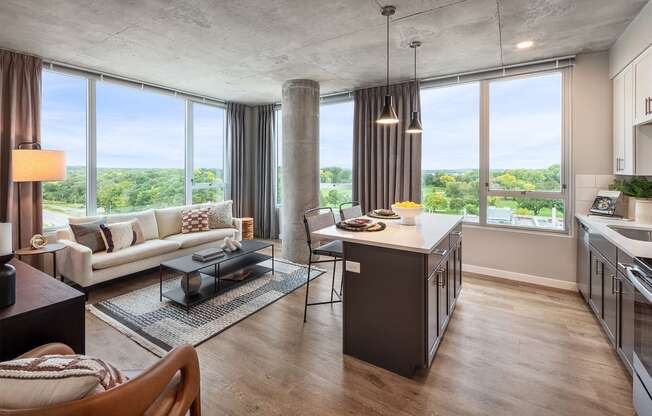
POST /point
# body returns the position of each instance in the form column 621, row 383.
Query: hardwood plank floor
column 510, row 349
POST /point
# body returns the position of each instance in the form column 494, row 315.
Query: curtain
column 265, row 220
column 236, row 142
column 386, row 160
column 20, row 105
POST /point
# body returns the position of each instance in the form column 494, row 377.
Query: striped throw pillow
column 194, row 220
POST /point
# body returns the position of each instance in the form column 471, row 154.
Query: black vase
column 7, row 282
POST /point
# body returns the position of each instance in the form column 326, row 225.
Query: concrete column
column 300, row 163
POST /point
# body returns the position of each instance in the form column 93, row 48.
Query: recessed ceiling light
column 525, row 44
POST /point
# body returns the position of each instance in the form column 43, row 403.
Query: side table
column 247, row 228
column 50, row 248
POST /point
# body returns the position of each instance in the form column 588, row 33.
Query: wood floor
column 510, row 350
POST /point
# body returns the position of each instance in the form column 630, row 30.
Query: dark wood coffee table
column 215, row 273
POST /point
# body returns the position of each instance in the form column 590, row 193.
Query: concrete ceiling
column 243, row 50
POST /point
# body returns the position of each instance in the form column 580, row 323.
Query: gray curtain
column 20, row 106
column 386, row 160
column 237, row 149
column 265, row 221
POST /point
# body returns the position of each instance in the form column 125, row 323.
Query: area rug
column 161, row 326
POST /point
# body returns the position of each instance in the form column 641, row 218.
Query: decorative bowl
column 407, row 214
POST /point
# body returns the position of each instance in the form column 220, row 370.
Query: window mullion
column 484, row 150
column 91, row 147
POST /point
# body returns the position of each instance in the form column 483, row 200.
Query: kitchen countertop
column 421, row 238
column 632, row 247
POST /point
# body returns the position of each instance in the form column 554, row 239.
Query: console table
column 46, row 310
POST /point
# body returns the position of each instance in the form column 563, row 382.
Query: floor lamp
column 35, row 165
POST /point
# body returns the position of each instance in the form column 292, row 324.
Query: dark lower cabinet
column 610, row 299
column 602, row 281
column 458, row 268
column 596, row 283
column 442, row 277
column 626, row 318
column 433, row 318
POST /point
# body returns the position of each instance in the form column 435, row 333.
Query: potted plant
column 639, row 194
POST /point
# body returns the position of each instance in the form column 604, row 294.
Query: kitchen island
column 400, row 289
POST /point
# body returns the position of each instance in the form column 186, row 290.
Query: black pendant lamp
column 388, row 115
column 415, row 122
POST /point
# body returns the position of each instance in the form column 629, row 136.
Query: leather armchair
column 168, row 388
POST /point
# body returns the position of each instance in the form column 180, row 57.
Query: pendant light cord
column 387, row 67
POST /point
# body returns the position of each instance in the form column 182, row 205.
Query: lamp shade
column 36, row 165
column 415, row 124
column 388, row 114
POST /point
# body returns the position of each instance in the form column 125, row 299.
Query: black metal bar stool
column 314, row 220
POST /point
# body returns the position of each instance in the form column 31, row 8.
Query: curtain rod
column 53, row 65
column 346, row 94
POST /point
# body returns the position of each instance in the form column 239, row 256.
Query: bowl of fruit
column 408, row 211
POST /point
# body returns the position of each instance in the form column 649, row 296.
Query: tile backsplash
column 586, row 189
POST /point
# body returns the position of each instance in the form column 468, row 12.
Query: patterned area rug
column 161, row 326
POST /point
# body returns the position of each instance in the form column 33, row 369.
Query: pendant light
column 415, row 123
column 388, row 115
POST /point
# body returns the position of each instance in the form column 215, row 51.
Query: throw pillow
column 194, row 220
column 89, row 234
column 118, row 235
column 138, row 230
column 220, row 215
column 54, row 379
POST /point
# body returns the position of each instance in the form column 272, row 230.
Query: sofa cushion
column 149, row 248
column 147, row 221
column 56, row 379
column 169, row 221
column 195, row 239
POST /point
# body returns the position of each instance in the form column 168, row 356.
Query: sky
column 146, row 129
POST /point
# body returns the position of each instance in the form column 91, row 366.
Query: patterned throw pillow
column 54, row 379
column 118, row 235
column 220, row 215
column 194, row 220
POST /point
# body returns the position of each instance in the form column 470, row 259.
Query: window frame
column 484, row 148
column 91, row 136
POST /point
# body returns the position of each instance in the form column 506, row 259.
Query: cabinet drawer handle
column 457, row 233
column 441, row 282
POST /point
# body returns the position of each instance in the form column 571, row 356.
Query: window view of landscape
column 450, row 150
column 525, row 151
column 63, row 126
column 140, row 149
column 335, row 153
column 208, row 154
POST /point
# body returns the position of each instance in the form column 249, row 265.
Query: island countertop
column 423, row 237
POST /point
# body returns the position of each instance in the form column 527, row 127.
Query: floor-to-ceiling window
column 335, row 153
column 208, row 153
column 144, row 147
column 140, row 149
column 508, row 170
column 451, row 150
column 63, row 126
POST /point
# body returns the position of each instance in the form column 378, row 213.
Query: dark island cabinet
column 603, row 283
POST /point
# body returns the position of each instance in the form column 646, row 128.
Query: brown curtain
column 20, row 107
column 386, row 159
column 236, row 142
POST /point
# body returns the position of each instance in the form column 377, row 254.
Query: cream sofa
column 164, row 241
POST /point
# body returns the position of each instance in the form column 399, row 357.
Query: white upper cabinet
column 643, row 88
column 623, row 123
